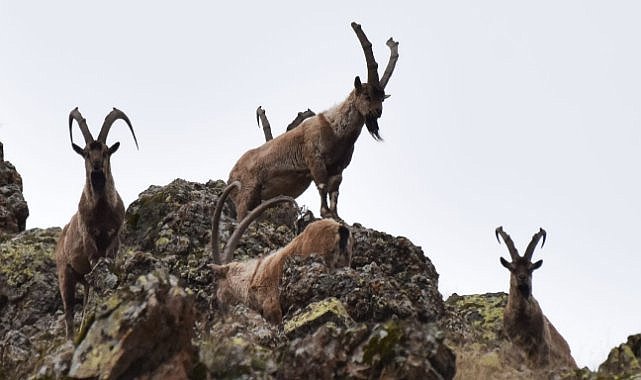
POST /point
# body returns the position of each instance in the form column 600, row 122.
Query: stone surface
column 13, row 207
column 382, row 317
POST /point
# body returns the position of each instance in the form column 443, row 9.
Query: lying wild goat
column 523, row 320
column 255, row 282
column 319, row 149
column 93, row 230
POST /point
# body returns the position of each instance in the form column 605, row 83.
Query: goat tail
column 215, row 223
column 242, row 226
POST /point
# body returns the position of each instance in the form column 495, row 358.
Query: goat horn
column 233, row 241
column 391, row 64
column 82, row 123
column 114, row 115
column 215, row 224
column 372, row 66
column 535, row 240
column 514, row 254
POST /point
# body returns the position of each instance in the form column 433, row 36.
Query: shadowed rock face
column 13, row 207
column 382, row 317
column 380, row 322
column 474, row 328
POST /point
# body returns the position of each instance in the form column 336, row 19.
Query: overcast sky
column 502, row 113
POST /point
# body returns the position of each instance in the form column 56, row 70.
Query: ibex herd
column 315, row 147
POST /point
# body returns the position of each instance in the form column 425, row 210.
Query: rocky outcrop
column 624, row 360
column 474, row 329
column 375, row 319
column 13, row 207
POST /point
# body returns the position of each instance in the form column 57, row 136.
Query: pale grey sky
column 507, row 113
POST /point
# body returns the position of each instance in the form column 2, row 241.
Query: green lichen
column 318, row 313
column 26, row 255
column 382, row 344
column 484, row 312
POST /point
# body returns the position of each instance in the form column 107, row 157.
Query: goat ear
column 78, row 149
column 536, row 265
column 358, row 85
column 506, row 264
column 114, row 148
column 386, row 96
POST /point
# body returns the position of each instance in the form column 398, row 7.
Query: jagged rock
column 389, row 294
column 29, row 325
column 392, row 350
column 316, row 314
column 624, row 360
column 145, row 332
column 13, row 208
column 388, row 277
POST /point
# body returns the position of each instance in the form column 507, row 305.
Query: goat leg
column 67, row 283
column 334, row 183
column 85, row 302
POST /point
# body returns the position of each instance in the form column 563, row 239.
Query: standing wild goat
column 255, row 282
column 93, row 230
column 523, row 320
column 319, row 149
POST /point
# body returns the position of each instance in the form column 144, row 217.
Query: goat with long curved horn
column 372, row 66
column 514, row 254
column 82, row 124
column 111, row 118
column 391, row 64
column 523, row 320
column 529, row 251
column 93, row 231
column 319, row 149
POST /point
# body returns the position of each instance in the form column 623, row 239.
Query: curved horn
column 514, row 254
column 233, row 241
column 114, row 115
column 391, row 64
column 215, row 223
column 82, row 123
column 529, row 251
column 372, row 66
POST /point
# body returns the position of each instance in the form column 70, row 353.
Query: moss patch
column 316, row 314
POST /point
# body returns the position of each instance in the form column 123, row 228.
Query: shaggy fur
column 317, row 150
column 523, row 320
column 255, row 282
column 93, row 231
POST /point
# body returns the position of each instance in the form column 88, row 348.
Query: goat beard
column 371, row 122
column 525, row 290
column 98, row 181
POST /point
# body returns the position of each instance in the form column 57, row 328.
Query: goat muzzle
column 98, row 180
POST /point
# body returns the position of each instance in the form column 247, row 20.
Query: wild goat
column 93, row 230
column 255, row 282
column 523, row 320
column 319, row 149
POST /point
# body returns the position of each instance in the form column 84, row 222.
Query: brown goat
column 93, row 231
column 319, row 149
column 255, row 282
column 523, row 320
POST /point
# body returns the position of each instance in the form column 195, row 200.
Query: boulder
column 13, row 208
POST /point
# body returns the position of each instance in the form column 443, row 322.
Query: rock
column 392, row 350
column 29, row 321
column 145, row 332
column 314, row 315
column 388, row 277
column 385, row 327
column 624, row 360
column 13, row 208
